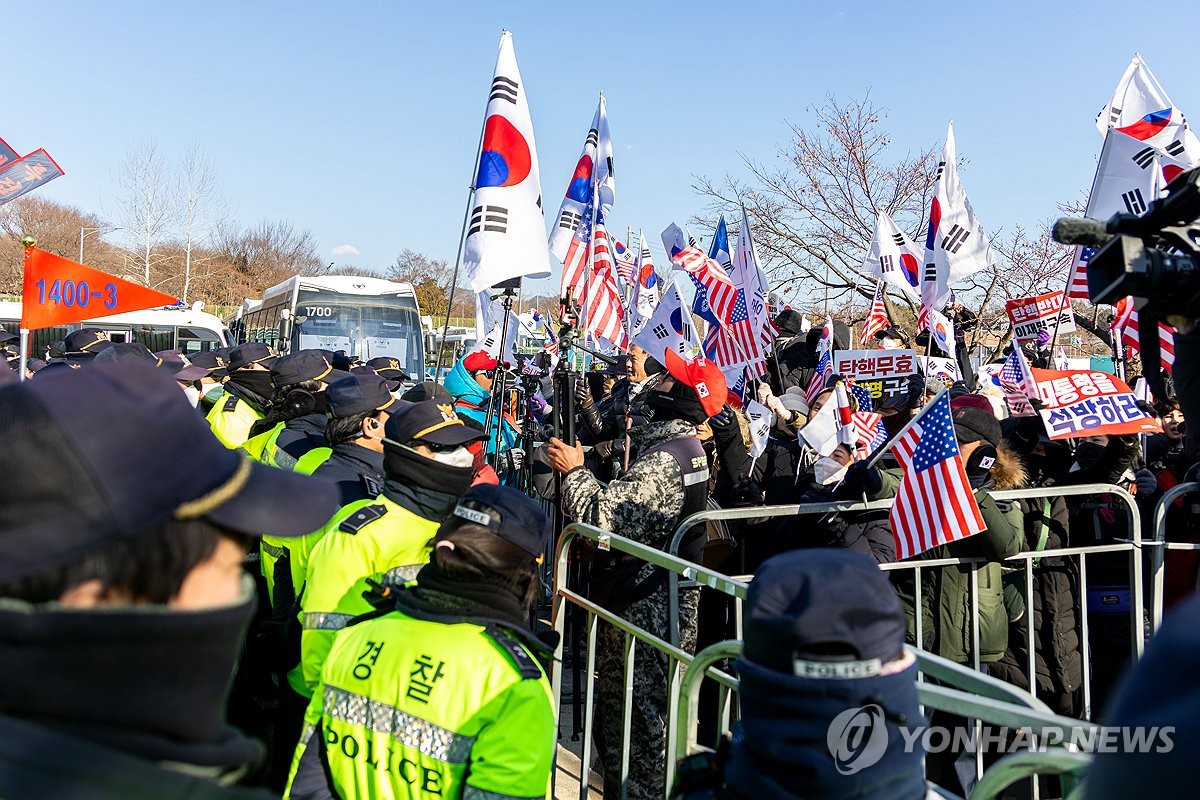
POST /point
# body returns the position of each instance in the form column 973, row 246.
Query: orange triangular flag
column 59, row 291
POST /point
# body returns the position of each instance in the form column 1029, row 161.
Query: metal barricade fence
column 595, row 613
column 960, row 691
column 1160, row 545
column 1024, row 559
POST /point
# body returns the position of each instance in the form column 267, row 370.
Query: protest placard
column 1080, row 402
column 1032, row 315
column 884, row 373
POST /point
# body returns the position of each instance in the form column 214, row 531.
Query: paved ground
column 566, row 773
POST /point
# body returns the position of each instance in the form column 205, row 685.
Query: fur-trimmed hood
column 1009, row 471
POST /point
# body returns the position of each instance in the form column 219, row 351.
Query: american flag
column 877, row 318
column 736, row 344
column 1127, row 320
column 579, row 253
column 869, row 431
column 934, row 504
column 625, row 260
column 824, row 364
column 879, row 433
column 605, row 312
column 1016, row 382
column 710, row 277
column 1078, row 284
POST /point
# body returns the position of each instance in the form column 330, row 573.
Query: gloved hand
column 861, row 478
column 1145, row 481
column 723, row 420
column 603, row 450
column 768, row 399
column 583, row 395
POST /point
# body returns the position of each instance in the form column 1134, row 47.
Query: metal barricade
column 1023, row 559
column 1160, row 545
column 960, row 691
column 596, row 613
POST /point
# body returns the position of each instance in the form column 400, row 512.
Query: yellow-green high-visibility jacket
column 426, row 710
column 375, row 539
column 231, row 418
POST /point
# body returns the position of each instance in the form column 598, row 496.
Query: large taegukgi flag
column 669, row 328
column 893, row 257
column 956, row 245
column 1140, row 108
column 506, row 237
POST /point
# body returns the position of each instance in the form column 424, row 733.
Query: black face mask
column 679, row 403
column 255, row 380
column 405, row 466
column 1088, row 454
column 979, row 465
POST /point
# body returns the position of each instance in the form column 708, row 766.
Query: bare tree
column 268, row 253
column 813, row 211
column 201, row 208
column 430, row 277
column 146, row 208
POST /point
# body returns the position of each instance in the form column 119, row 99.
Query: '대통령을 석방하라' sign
column 1079, row 402
column 57, row 291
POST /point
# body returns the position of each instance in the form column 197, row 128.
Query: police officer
column 389, row 368
column 81, row 346
column 359, row 407
column 123, row 525
column 666, row 483
column 247, row 394
column 427, row 467
column 439, row 693
column 295, row 421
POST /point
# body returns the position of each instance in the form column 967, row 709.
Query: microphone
column 1087, row 232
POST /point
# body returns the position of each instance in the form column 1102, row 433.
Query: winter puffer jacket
column 946, row 591
column 1058, row 656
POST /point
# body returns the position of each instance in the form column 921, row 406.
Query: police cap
column 388, row 367
column 87, row 341
column 511, row 515
column 112, row 451
column 305, row 365
column 249, row 353
column 359, row 394
column 429, row 421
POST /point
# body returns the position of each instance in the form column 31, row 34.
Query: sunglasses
column 434, row 446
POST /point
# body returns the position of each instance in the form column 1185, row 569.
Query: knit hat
column 973, row 424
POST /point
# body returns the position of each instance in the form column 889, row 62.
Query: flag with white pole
column 506, row 234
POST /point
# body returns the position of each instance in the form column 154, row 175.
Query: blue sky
column 359, row 121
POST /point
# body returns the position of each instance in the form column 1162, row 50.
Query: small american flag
column 877, row 318
column 1015, row 382
column 625, row 260
column 605, row 312
column 736, row 344
column 869, row 430
column 579, row 252
column 712, row 278
column 824, row 370
column 934, row 504
column 1077, row 287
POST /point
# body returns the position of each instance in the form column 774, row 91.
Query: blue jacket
column 471, row 402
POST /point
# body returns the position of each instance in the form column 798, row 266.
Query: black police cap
column 359, row 394
column 110, row 452
column 304, row 365
column 428, row 421
column 511, row 515
column 249, row 353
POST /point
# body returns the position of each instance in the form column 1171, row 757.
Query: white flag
column 670, row 328
column 506, row 237
column 893, row 257
column 595, row 166
column 956, row 245
column 821, row 431
column 760, row 427
column 1141, row 109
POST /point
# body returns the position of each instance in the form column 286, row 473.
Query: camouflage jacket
column 644, row 503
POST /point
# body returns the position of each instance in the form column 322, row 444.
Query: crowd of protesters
column 395, row 647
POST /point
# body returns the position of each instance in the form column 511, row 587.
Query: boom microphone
column 1087, row 232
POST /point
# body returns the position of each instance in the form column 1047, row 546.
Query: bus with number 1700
column 365, row 317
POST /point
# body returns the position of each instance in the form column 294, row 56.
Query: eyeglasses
column 433, row 446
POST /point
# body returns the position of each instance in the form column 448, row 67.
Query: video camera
column 1151, row 257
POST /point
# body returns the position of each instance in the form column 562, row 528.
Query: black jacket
column 357, row 471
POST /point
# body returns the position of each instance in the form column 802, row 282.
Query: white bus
column 366, row 317
column 189, row 330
